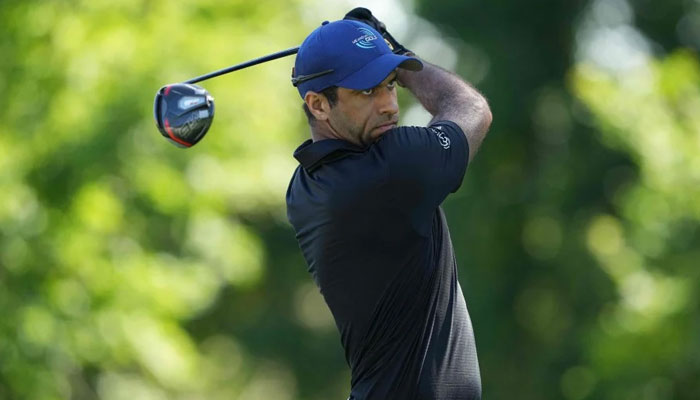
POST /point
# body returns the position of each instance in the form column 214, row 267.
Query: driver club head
column 183, row 113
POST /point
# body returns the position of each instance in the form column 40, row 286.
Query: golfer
column 365, row 205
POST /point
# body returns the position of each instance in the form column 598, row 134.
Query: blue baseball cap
column 348, row 54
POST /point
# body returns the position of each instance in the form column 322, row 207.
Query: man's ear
column 317, row 104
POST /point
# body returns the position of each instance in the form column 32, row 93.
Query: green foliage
column 577, row 224
column 111, row 238
column 649, row 247
column 130, row 269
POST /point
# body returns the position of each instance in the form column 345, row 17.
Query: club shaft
column 274, row 56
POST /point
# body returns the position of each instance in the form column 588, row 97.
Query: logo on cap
column 365, row 41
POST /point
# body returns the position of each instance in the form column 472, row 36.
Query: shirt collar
column 311, row 155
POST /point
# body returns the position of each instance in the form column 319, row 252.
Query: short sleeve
column 427, row 163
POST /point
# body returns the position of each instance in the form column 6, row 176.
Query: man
column 365, row 206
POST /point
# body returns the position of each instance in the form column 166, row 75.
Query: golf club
column 185, row 111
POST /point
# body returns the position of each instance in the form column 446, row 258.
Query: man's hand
column 364, row 15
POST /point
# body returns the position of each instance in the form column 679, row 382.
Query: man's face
column 362, row 116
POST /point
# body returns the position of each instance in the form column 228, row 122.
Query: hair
column 331, row 94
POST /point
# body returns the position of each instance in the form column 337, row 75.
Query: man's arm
column 449, row 98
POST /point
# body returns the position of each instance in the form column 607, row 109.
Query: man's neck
column 321, row 130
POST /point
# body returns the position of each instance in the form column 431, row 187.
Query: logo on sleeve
column 442, row 138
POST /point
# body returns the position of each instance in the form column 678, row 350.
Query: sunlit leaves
column 110, row 238
column 646, row 248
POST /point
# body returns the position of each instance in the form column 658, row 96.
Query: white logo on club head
column 188, row 102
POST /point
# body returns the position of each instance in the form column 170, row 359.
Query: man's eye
column 391, row 84
column 368, row 92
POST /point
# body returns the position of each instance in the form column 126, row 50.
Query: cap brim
column 376, row 71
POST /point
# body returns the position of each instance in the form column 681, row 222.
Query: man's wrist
column 403, row 76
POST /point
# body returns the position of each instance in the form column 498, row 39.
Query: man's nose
column 388, row 102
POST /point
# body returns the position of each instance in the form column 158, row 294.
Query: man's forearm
column 447, row 97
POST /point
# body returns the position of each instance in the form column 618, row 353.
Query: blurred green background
column 131, row 269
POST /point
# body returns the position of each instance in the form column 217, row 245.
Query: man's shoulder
column 343, row 180
column 438, row 135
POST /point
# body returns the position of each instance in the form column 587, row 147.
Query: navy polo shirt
column 369, row 224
